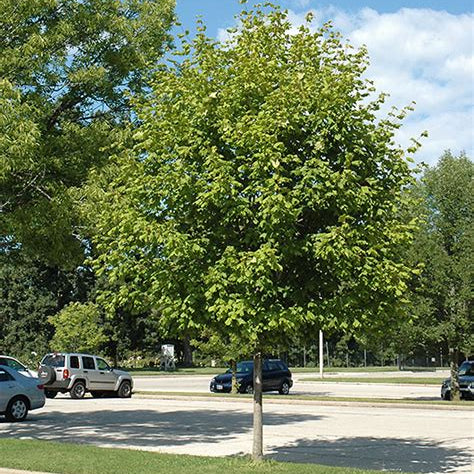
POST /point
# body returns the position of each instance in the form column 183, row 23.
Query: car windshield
column 244, row 367
column 54, row 360
column 467, row 368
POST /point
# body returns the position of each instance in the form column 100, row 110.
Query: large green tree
column 444, row 246
column 263, row 193
column 65, row 69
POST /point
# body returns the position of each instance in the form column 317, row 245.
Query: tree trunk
column 257, row 452
column 453, row 362
column 233, row 368
column 187, row 352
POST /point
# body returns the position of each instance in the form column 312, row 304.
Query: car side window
column 272, row 367
column 101, row 364
column 4, row 376
column 74, row 362
column 88, row 363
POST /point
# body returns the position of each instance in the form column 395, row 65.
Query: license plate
column 219, row 387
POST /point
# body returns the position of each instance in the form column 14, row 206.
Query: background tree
column 263, row 195
column 78, row 328
column 65, row 67
column 31, row 292
column 442, row 295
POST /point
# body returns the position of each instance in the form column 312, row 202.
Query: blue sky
column 420, row 50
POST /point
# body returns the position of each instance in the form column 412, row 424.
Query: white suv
column 81, row 373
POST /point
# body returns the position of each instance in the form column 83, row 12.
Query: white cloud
column 419, row 55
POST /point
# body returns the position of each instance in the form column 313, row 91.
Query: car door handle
column 101, row 373
column 86, row 371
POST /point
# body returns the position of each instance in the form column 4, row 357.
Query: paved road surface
column 200, row 384
column 422, row 440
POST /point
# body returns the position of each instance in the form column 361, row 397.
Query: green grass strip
column 153, row 371
column 385, row 380
column 67, row 458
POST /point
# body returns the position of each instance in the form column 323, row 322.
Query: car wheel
column 249, row 389
column 285, row 388
column 78, row 390
column 125, row 389
column 50, row 393
column 17, row 409
column 47, row 375
column 447, row 395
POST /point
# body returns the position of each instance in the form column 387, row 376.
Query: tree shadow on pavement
column 405, row 455
column 141, row 428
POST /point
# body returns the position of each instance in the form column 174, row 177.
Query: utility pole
column 321, row 354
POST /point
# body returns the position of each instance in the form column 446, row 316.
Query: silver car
column 80, row 373
column 19, row 394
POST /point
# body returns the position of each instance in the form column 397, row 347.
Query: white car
column 19, row 394
column 14, row 364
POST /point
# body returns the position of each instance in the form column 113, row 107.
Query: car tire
column 447, row 396
column 249, row 389
column 17, row 409
column 78, row 390
column 50, row 393
column 284, row 388
column 125, row 389
column 46, row 375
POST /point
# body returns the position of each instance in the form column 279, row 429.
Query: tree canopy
column 65, row 66
column 263, row 193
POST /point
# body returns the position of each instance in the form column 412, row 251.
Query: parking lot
column 407, row 439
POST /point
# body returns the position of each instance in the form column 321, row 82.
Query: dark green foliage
column 443, row 295
column 30, row 292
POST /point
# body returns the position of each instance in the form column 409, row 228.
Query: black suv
column 276, row 376
column 466, row 382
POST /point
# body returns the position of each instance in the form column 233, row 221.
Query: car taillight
column 66, row 373
column 40, row 387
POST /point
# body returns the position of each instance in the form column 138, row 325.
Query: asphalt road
column 422, row 440
column 200, row 384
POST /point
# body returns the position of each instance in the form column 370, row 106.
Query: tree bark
column 453, row 362
column 187, row 352
column 233, row 368
column 257, row 451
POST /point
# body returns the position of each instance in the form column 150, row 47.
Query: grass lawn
column 396, row 380
column 219, row 370
column 65, row 458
